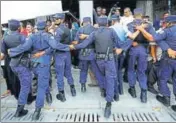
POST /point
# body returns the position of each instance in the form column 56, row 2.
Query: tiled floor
column 89, row 106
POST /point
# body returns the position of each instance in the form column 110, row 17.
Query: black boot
column 107, row 111
column 36, row 114
column 116, row 97
column 73, row 90
column 103, row 92
column 143, row 96
column 152, row 90
column 83, row 87
column 173, row 107
column 61, row 96
column 164, row 100
column 49, row 98
column 132, row 92
column 20, row 111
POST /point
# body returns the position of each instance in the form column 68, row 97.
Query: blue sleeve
column 151, row 30
column 77, row 34
column 21, row 48
column 163, row 45
column 3, row 47
column 127, row 44
column 116, row 40
column 130, row 27
column 86, row 42
column 160, row 36
column 57, row 45
column 23, row 39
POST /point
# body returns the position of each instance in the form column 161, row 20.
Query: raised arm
column 86, row 42
column 21, row 48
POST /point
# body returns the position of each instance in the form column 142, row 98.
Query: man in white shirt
column 127, row 18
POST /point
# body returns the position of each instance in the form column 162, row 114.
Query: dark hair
column 165, row 13
column 29, row 23
column 48, row 21
column 146, row 16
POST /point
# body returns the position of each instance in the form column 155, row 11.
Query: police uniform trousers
column 108, row 68
column 42, row 72
column 84, row 63
column 119, row 66
column 168, row 70
column 63, row 68
column 25, row 76
column 137, row 54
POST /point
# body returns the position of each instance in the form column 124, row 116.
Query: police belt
column 86, row 51
column 142, row 44
column 102, row 56
column 58, row 51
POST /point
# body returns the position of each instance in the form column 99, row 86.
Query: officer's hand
column 118, row 51
column 96, row 25
column 2, row 56
column 171, row 53
column 134, row 44
column 141, row 27
column 74, row 42
column 83, row 36
column 71, row 47
column 154, row 59
column 38, row 54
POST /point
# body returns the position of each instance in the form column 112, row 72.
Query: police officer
column 40, row 43
column 13, row 40
column 63, row 59
column 87, row 55
column 118, row 28
column 106, row 41
column 138, row 52
column 166, row 39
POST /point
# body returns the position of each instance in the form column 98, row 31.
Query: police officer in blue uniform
column 87, row 55
column 167, row 40
column 12, row 40
column 40, row 43
column 138, row 52
column 62, row 58
column 106, row 41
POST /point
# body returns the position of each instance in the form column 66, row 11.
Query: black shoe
column 49, row 98
column 125, row 79
column 173, row 107
column 73, row 90
column 116, row 97
column 83, row 87
column 152, row 90
column 164, row 100
column 143, row 96
column 61, row 96
column 36, row 114
column 103, row 92
column 107, row 112
column 132, row 92
column 20, row 111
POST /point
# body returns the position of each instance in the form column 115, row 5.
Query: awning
column 24, row 10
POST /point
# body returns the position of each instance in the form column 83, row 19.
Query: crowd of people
column 113, row 43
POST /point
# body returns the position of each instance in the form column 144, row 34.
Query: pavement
column 89, row 107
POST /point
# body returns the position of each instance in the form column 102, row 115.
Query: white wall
column 23, row 10
column 85, row 9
